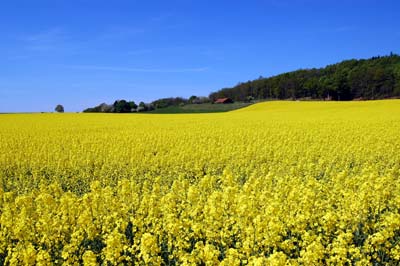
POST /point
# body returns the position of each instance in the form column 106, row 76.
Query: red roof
column 222, row 100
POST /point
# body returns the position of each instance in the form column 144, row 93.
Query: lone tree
column 59, row 108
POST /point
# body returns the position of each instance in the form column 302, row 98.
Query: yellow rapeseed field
column 277, row 183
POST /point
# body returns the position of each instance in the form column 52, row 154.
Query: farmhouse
column 224, row 100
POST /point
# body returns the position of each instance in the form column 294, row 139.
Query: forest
column 364, row 79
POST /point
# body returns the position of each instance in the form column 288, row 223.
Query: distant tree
column 192, row 99
column 249, row 99
column 133, row 106
column 198, row 99
column 59, row 108
column 122, row 106
column 101, row 108
column 202, row 99
column 165, row 102
column 150, row 107
column 105, row 108
column 142, row 107
column 119, row 106
column 88, row 110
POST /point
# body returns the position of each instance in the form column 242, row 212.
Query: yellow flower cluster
column 278, row 183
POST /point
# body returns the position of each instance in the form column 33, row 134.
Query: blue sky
column 80, row 53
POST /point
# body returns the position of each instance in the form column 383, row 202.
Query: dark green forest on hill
column 364, row 79
column 374, row 78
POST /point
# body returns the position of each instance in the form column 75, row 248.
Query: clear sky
column 80, row 53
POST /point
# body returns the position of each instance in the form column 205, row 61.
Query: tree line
column 374, row 78
column 364, row 79
column 123, row 106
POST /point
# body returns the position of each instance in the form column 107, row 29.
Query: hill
column 364, row 79
column 374, row 78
